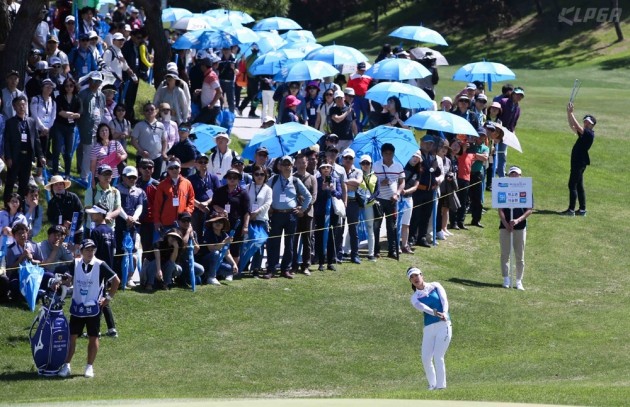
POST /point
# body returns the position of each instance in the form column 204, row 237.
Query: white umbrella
column 421, row 52
column 509, row 138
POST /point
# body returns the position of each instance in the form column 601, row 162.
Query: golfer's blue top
column 432, row 297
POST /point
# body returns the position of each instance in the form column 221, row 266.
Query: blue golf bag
column 50, row 335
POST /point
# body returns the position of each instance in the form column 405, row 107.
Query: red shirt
column 464, row 164
column 359, row 84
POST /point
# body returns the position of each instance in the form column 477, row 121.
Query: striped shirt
column 392, row 174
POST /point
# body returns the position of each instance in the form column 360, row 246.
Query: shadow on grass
column 547, row 212
column 615, row 63
column 473, row 283
column 19, row 376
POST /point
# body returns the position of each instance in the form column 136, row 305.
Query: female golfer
column 430, row 298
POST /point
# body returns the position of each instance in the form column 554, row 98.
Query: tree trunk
column 18, row 43
column 5, row 22
column 375, row 14
column 615, row 6
column 161, row 48
column 539, row 8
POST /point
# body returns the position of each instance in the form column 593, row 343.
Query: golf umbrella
column 411, row 97
column 191, row 264
column 304, row 47
column 418, row 34
column 421, row 52
column 509, row 138
column 269, row 41
column 441, row 121
column 395, row 69
column 305, row 71
column 221, row 14
column 299, row 36
column 283, row 139
column 172, row 14
column 242, row 34
column 203, row 136
column 208, row 38
column 127, row 261
column 337, row 55
column 371, row 141
column 256, row 237
column 30, row 280
column 272, row 62
column 194, row 22
column 276, row 23
column 485, row 72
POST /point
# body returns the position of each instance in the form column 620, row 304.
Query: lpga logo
column 570, row 15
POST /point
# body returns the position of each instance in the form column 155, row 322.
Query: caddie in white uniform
column 88, row 297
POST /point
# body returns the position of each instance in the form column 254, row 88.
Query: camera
column 328, row 179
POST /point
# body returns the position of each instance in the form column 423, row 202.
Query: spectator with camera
column 328, row 187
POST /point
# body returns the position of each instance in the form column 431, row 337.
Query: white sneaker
column 448, row 233
column 89, row 371
column 213, row 281
column 506, row 282
column 65, row 370
column 229, row 278
column 131, row 284
column 519, row 285
column 440, row 235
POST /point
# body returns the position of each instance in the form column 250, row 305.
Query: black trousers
column 19, row 172
column 421, row 214
column 390, row 210
column 576, row 187
column 476, row 196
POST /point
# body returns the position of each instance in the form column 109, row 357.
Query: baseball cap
column 56, row 229
column 118, row 36
column 52, row 38
column 348, row 152
column 55, row 61
column 262, row 150
column 497, row 105
column 471, row 86
column 41, row 66
column 519, row 91
column 287, row 158
column 103, row 168
column 361, row 65
column 92, row 34
column 69, row 18
column 464, row 97
column 49, row 83
column 221, row 135
column 447, row 99
column 482, row 96
column 428, row 139
column 332, row 136
column 184, row 215
column 96, row 76
column 482, row 131
column 237, row 159
column 173, row 164
column 87, row 243
column 202, row 157
column 365, row 157
column 130, row 171
column 349, row 91
column 338, row 94
column 515, row 169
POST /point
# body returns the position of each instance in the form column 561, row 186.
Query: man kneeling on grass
column 88, row 297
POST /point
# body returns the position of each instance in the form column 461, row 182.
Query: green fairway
column 353, row 333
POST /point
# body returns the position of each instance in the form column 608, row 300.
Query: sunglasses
column 328, row 94
column 56, row 66
column 259, row 174
column 366, row 163
column 185, row 220
column 173, row 168
column 84, row 39
column 483, row 102
column 151, row 109
column 348, row 158
column 232, row 177
column 146, row 168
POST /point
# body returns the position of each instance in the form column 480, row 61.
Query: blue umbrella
column 272, row 62
column 395, row 69
column 3, row 253
column 269, row 41
column 30, row 280
column 337, row 55
column 441, row 121
column 283, row 139
column 45, row 176
column 276, row 23
column 305, row 71
column 304, row 47
column 418, row 34
column 411, row 97
column 194, row 22
column 485, row 72
column 172, row 14
column 237, row 16
column 242, row 34
column 127, row 261
column 371, row 141
column 203, row 136
column 213, row 38
column 299, row 36
column 191, row 263
column 256, row 238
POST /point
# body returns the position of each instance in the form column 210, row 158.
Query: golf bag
column 50, row 335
